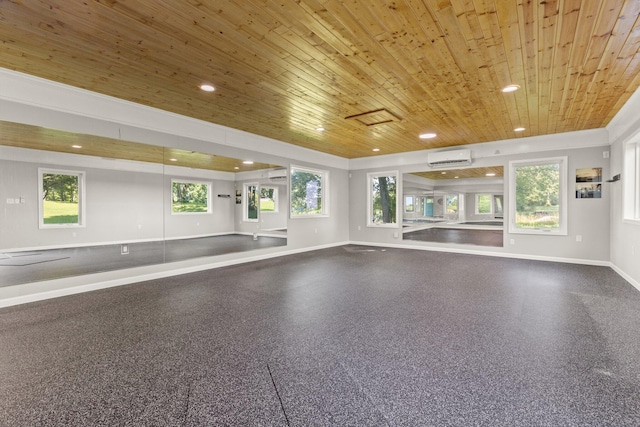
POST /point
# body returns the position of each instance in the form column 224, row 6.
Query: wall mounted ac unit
column 441, row 159
column 277, row 174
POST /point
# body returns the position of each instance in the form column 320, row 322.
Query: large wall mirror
column 460, row 206
column 77, row 204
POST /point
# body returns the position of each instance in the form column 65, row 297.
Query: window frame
column 324, row 187
column 399, row 199
column 491, row 202
column 81, row 175
column 190, row 181
column 563, row 196
column 631, row 183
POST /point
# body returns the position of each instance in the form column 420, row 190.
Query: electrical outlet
column 124, row 249
column 512, row 241
column 579, row 238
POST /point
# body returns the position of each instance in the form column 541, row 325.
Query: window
column 188, row 197
column 451, row 203
column 538, row 196
column 251, row 202
column 268, row 199
column 484, row 204
column 632, row 182
column 409, row 204
column 61, row 201
column 309, row 192
column 382, row 199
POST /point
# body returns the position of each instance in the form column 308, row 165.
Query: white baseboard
column 487, row 253
column 626, row 277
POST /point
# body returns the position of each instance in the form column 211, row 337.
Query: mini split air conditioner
column 277, row 174
column 441, row 159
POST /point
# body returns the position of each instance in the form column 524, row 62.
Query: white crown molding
column 106, row 113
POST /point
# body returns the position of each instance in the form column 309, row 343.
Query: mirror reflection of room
column 459, row 206
column 88, row 204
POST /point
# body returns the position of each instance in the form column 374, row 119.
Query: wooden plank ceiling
column 38, row 138
column 283, row 68
column 482, row 172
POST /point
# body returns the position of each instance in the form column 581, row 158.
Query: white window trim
column 191, row 181
column 325, row 192
column 491, row 202
column 276, row 201
column 81, row 196
column 245, row 197
column 631, row 181
column 563, row 203
column 399, row 200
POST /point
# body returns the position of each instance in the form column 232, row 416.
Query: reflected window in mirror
column 383, row 199
column 62, row 196
column 484, row 204
column 451, row 203
column 498, row 202
column 189, row 197
column 309, row 192
column 409, row 204
column 251, row 202
column 268, row 199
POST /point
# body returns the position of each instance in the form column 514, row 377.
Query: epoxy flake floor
column 344, row 336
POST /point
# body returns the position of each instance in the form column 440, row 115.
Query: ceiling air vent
column 441, row 159
column 375, row 117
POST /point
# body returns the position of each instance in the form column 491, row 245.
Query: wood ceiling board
column 283, row 68
column 467, row 173
column 38, row 138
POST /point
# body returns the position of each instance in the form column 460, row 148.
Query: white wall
column 625, row 236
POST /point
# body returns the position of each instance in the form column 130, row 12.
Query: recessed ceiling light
column 510, row 88
column 247, row 162
column 491, row 174
column 173, row 160
column 427, row 135
column 207, row 87
column 320, row 129
column 76, row 146
column 456, row 177
column 236, row 167
column 518, row 129
column 443, row 173
column 376, row 149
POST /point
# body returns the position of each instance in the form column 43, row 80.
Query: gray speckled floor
column 343, row 336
